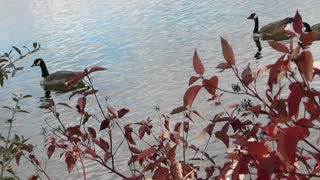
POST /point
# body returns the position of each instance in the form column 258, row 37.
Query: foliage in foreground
column 266, row 136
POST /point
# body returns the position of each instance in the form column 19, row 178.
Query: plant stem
column 7, row 139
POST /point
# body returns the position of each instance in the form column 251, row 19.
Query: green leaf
column 7, row 107
column 3, row 60
column 15, row 99
column 17, row 49
column 24, row 111
column 19, row 68
column 13, row 73
column 26, row 96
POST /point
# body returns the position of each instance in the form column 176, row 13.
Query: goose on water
column 59, row 78
column 270, row 31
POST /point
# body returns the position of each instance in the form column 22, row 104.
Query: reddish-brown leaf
column 81, row 105
column 96, row 68
column 197, row 64
column 113, row 111
column 255, row 110
column 142, row 130
column 92, row 132
column 247, row 76
column 297, row 23
column 75, row 79
column 308, row 38
column 178, row 127
column 104, row 124
column 91, row 152
column 175, row 137
column 193, row 79
column 106, row 156
column 172, row 154
column 144, row 154
column 71, row 161
column 92, row 91
column 122, row 112
column 287, row 143
column 305, row 64
column 167, row 124
column 51, row 150
column 161, row 173
column 294, row 99
column 65, row 104
column 279, row 47
column 178, row 110
column 227, row 51
column 263, row 69
column 104, row 145
column 33, row 177
column 211, row 84
column 190, row 95
column 18, row 156
column 223, row 137
column 134, row 150
column 223, row 66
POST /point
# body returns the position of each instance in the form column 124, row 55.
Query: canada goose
column 315, row 28
column 270, row 31
column 59, row 78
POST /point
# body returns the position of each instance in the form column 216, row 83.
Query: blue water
column 147, row 47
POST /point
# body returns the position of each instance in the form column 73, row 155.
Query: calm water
column 147, row 47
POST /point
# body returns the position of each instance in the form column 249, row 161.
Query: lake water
column 147, row 47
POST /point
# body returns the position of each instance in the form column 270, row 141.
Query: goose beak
column 33, row 65
column 249, row 17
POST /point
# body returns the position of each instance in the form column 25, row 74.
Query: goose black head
column 307, row 26
column 253, row 16
column 37, row 62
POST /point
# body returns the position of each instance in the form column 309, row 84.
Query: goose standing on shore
column 59, row 78
column 270, row 31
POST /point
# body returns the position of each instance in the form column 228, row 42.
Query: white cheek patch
column 255, row 17
column 38, row 63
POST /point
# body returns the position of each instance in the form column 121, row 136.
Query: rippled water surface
column 147, row 47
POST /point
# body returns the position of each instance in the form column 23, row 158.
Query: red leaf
column 142, row 131
column 178, row 127
column 167, row 124
column 247, row 76
column 81, row 105
column 305, row 64
column 71, row 161
column 294, row 99
column 179, row 109
column 128, row 131
column 92, row 91
column 263, row 69
column 211, row 84
column 134, row 150
column 193, row 79
column 18, row 156
column 297, row 23
column 33, row 177
column 190, row 95
column 287, row 143
column 146, row 153
column 308, row 38
column 97, row 68
column 104, row 145
column 91, row 152
column 106, row 156
column 92, row 132
column 104, row 124
column 161, row 173
column 175, row 137
column 197, row 64
column 223, row 66
column 122, row 112
column 51, row 150
column 74, row 80
column 113, row 111
column 172, row 154
column 227, row 52
column 279, row 47
column 255, row 110
column 74, row 131
column 223, row 137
